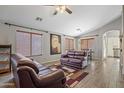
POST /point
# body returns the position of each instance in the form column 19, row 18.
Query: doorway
column 111, row 44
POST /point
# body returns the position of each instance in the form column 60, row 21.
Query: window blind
column 28, row 44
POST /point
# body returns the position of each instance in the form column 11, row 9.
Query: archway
column 111, row 44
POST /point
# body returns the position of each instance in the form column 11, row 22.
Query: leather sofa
column 30, row 74
column 74, row 59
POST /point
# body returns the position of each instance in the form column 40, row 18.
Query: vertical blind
column 69, row 44
column 28, row 44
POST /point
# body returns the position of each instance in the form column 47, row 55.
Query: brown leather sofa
column 74, row 59
column 30, row 74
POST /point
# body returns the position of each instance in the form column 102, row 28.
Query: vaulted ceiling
column 83, row 17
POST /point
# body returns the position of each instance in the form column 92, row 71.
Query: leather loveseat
column 30, row 74
column 74, row 59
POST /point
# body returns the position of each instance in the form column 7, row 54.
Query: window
column 86, row 43
column 23, row 43
column 69, row 44
column 36, row 44
column 28, row 44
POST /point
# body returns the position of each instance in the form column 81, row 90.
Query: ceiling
column 85, row 17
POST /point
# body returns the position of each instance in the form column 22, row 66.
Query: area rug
column 73, row 76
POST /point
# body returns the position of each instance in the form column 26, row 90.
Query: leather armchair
column 29, row 78
column 30, row 74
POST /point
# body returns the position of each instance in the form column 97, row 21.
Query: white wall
column 8, row 36
column 122, row 44
column 98, row 43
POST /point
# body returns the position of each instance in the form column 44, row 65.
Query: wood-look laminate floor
column 104, row 74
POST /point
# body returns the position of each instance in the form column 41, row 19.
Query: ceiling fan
column 61, row 9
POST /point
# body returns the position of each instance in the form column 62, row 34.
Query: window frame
column 30, row 33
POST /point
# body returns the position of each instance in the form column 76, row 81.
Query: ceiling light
column 61, row 11
column 61, row 8
column 58, row 8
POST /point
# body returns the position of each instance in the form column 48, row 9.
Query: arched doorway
column 111, row 44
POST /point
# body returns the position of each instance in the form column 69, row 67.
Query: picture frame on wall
column 55, row 44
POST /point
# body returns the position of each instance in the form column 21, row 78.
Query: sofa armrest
column 84, row 58
column 52, row 78
column 64, row 56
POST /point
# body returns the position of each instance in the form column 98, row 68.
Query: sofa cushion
column 70, row 56
column 79, row 53
column 75, row 60
column 79, row 57
column 71, row 52
column 43, row 68
column 45, row 71
column 64, row 59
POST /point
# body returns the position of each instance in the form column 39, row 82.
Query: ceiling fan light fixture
column 62, row 11
column 58, row 8
column 61, row 8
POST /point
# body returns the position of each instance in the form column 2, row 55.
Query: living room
column 56, row 40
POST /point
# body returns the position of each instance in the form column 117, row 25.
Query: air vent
column 38, row 19
column 78, row 29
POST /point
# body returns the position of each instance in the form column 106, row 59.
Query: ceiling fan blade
column 68, row 10
column 55, row 13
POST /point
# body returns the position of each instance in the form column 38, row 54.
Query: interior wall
column 8, row 36
column 122, row 44
column 104, row 54
column 98, row 42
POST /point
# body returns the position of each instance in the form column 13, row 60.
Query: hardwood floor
column 6, row 80
column 104, row 74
